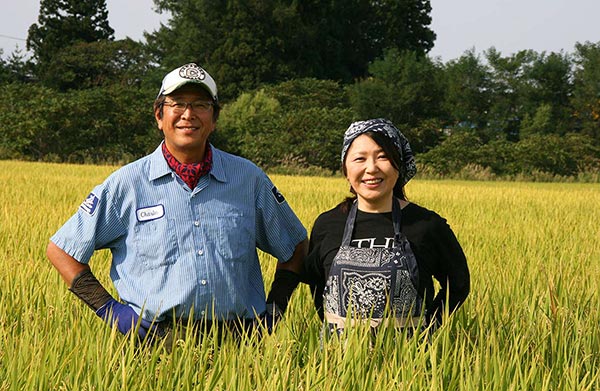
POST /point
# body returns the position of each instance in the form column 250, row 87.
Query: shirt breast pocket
column 236, row 237
column 156, row 243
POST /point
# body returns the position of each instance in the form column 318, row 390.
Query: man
column 183, row 225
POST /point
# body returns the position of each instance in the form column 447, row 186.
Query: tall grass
column 530, row 323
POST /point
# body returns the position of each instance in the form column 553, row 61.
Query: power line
column 15, row 38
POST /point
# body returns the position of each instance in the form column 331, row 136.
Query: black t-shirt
column 435, row 246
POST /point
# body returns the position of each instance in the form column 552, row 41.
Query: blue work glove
column 125, row 317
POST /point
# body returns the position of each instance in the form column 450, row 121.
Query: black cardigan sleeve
column 315, row 273
column 451, row 272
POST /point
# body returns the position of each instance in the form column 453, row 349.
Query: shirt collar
column 158, row 164
column 218, row 170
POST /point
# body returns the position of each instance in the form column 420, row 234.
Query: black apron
column 372, row 284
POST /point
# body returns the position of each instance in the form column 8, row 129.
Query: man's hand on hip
column 125, row 318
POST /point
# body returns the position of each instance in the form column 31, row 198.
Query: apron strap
column 349, row 228
column 396, row 219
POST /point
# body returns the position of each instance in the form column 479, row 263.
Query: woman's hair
column 393, row 154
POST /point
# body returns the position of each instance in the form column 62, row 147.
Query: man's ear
column 158, row 117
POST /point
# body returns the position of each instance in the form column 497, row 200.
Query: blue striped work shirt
column 180, row 252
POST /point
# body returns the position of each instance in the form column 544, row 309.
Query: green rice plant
column 531, row 322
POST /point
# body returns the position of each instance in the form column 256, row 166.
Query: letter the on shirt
column 370, row 243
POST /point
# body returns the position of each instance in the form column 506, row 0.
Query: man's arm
column 67, row 266
column 79, row 278
column 296, row 262
column 86, row 287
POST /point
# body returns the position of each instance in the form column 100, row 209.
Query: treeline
column 292, row 77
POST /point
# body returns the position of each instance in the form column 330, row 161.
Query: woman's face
column 371, row 175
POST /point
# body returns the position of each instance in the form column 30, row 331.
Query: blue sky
column 512, row 25
column 507, row 25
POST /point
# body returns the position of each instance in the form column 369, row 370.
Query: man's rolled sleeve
column 94, row 226
column 278, row 229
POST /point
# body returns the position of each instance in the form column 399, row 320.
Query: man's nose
column 188, row 112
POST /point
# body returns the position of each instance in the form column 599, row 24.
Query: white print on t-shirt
column 370, row 243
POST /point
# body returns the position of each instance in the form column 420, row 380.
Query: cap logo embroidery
column 192, row 72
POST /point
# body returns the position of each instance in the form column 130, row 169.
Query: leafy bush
column 105, row 124
column 298, row 123
column 540, row 157
column 403, row 88
column 454, row 153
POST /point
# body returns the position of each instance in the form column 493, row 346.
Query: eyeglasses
column 197, row 106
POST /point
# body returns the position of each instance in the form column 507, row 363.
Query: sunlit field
column 531, row 322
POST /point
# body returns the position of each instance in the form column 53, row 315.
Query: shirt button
column 197, row 223
column 203, row 282
column 200, row 252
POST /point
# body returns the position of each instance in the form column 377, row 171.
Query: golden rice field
column 531, row 322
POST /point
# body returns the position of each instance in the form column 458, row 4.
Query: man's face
column 186, row 132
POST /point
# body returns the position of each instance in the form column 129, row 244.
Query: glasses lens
column 176, row 107
column 179, row 107
column 199, row 106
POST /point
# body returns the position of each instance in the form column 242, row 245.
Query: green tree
column 297, row 123
column 455, row 152
column 404, row 88
column 467, row 91
column 586, row 89
column 346, row 35
column 508, row 91
column 525, row 83
column 62, row 23
column 539, row 123
column 244, row 119
column 545, row 153
column 104, row 124
column 101, row 63
column 546, row 88
column 245, row 43
column 239, row 42
column 15, row 68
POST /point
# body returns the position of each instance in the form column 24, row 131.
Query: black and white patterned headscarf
column 408, row 168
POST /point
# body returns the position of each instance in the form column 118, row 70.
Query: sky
column 129, row 18
column 460, row 25
column 512, row 25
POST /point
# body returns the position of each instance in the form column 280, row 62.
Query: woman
column 374, row 255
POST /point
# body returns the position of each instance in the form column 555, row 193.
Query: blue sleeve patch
column 90, row 204
column 278, row 196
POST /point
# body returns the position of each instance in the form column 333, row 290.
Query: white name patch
column 150, row 213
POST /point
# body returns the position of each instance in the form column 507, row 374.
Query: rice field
column 531, row 322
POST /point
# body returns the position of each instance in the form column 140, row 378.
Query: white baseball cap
column 188, row 73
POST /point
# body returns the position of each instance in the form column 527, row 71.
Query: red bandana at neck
column 190, row 173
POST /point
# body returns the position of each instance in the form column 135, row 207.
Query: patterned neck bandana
column 191, row 172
